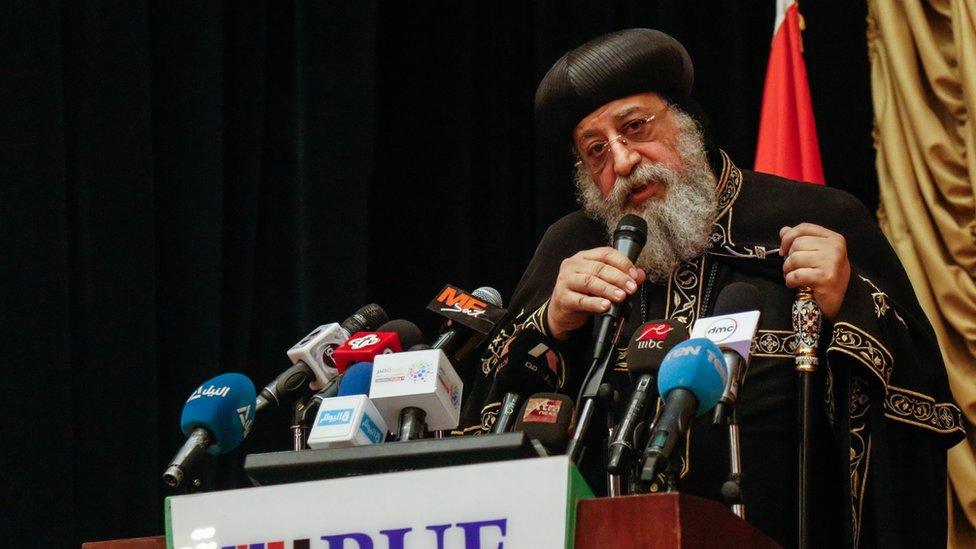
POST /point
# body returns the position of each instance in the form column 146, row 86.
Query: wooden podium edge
column 663, row 520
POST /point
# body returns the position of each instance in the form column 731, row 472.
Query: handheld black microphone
column 629, row 239
column 651, row 342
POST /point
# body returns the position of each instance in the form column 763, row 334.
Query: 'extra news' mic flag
column 548, row 418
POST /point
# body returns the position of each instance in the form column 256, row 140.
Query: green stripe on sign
column 578, row 489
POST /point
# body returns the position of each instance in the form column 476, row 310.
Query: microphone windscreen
column 634, row 226
column 225, row 407
column 548, row 418
column 489, row 294
column 356, row 380
column 527, row 365
column 696, row 365
column 737, row 297
column 651, row 342
column 366, row 319
column 407, row 331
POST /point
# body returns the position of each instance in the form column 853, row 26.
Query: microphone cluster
column 363, row 381
column 371, row 380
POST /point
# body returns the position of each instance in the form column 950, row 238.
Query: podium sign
column 519, row 503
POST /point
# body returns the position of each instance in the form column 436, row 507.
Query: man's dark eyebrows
column 589, row 133
column 626, row 112
column 616, row 118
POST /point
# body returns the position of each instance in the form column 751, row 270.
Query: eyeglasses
column 639, row 130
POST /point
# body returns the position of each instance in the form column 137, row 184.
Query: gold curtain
column 923, row 80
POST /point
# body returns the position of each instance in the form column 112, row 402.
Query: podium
column 469, row 492
column 657, row 520
column 156, row 542
column 671, row 520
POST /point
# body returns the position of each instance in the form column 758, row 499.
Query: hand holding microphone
column 589, row 283
column 628, row 240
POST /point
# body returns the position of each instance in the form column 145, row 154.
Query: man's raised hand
column 816, row 257
column 587, row 283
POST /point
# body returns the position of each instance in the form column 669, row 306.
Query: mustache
column 645, row 173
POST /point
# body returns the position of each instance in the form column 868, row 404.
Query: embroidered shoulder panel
column 899, row 404
column 729, row 184
column 774, row 343
column 922, row 411
column 853, row 341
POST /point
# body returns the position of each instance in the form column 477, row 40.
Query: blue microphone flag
column 696, row 365
column 225, row 407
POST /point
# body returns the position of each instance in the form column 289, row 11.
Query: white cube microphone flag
column 423, row 380
column 349, row 419
column 732, row 331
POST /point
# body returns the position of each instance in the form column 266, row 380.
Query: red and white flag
column 788, row 145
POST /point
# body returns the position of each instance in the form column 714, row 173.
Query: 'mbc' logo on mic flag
column 655, row 332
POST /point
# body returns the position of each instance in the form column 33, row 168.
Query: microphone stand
column 807, row 319
column 613, row 481
column 732, row 488
column 298, row 425
column 591, row 393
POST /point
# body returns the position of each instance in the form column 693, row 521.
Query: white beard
column 678, row 225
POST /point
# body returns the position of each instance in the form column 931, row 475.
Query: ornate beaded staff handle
column 806, row 327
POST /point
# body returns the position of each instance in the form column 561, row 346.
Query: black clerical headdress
column 611, row 67
column 606, row 68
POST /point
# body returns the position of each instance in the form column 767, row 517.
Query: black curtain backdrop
column 187, row 188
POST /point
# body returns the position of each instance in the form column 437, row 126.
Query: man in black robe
column 642, row 145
